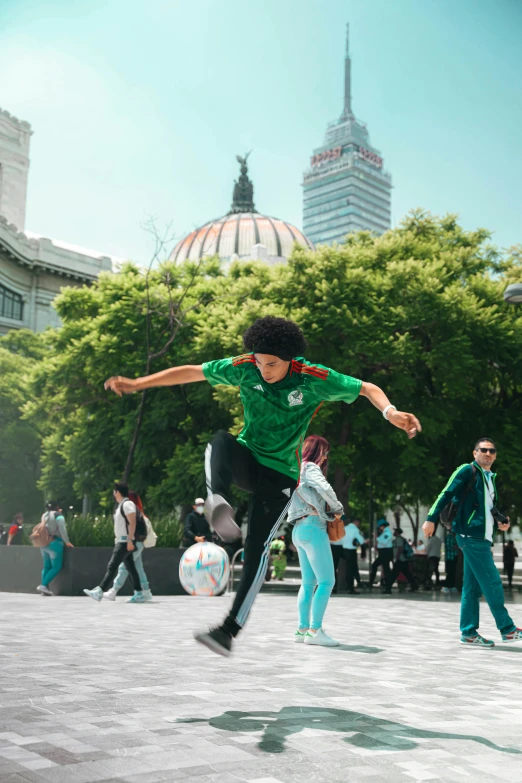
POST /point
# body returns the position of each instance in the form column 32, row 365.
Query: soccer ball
column 204, row 569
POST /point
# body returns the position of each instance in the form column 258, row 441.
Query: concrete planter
column 21, row 566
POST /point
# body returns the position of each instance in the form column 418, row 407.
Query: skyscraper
column 346, row 188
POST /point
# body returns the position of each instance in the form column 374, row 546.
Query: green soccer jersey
column 277, row 415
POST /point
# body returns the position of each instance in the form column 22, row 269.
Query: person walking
column 15, row 535
column 384, row 544
column 125, row 544
column 433, row 549
column 123, row 572
column 402, row 553
column 337, row 556
column 280, row 392
column 309, row 515
column 195, row 527
column 472, row 490
column 52, row 554
column 509, row 555
column 451, row 553
column 353, row 538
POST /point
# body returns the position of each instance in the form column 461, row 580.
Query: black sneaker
column 217, row 640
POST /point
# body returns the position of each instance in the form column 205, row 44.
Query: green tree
column 19, row 441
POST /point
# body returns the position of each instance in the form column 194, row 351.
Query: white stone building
column 33, row 269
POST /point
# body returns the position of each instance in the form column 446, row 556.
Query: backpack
column 407, row 550
column 152, row 538
column 141, row 532
column 40, row 536
column 449, row 512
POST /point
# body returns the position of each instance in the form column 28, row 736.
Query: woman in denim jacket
column 308, row 510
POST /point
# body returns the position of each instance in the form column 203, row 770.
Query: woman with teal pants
column 52, row 554
column 308, row 511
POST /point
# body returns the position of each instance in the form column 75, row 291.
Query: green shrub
column 93, row 530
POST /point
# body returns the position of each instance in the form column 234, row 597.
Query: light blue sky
column 140, row 106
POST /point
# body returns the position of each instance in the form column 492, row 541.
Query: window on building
column 11, row 304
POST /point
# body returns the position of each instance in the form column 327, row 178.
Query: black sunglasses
column 485, row 451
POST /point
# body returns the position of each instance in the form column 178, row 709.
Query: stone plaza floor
column 121, row 692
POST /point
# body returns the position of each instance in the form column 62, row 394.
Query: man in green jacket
column 473, row 490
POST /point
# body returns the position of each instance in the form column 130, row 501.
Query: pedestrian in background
column 195, row 527
column 402, row 553
column 123, row 571
column 384, row 543
column 15, row 535
column 451, row 554
column 509, row 556
column 353, row 538
column 433, row 549
column 472, row 487
column 337, row 555
column 125, row 519
column 52, row 554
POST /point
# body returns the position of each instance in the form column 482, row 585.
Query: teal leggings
column 52, row 560
column 317, row 569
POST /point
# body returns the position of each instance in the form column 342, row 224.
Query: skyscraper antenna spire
column 347, row 112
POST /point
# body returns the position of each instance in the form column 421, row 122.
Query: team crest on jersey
column 295, row 398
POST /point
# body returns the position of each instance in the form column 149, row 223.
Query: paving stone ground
column 120, row 692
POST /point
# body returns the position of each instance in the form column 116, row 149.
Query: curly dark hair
column 275, row 336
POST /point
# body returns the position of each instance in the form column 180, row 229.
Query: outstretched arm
column 174, row 376
column 404, row 421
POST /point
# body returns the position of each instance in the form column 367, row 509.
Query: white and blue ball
column 204, row 569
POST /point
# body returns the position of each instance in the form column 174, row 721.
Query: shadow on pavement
column 363, row 729
column 360, row 648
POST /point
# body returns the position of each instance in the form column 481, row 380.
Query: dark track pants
column 229, row 462
column 352, row 569
column 401, row 568
column 120, row 554
column 384, row 558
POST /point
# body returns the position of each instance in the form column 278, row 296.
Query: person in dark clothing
column 509, row 556
column 401, row 550
column 196, row 528
column 384, row 546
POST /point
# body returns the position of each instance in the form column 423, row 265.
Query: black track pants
column 229, row 462
column 120, row 554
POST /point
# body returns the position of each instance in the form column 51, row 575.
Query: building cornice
column 42, row 254
column 22, row 124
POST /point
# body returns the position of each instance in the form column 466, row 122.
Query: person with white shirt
column 472, row 491
column 353, row 538
column 384, row 543
column 124, row 536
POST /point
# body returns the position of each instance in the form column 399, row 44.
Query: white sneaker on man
column 147, row 595
column 320, row 638
column 220, row 515
column 96, row 593
column 44, row 590
column 111, row 594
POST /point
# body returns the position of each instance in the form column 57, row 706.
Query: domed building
column 244, row 233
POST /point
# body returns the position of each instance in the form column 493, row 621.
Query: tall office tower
column 346, row 188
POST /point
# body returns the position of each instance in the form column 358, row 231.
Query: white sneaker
column 320, row 638
column 220, row 514
column 44, row 590
column 137, row 598
column 299, row 637
column 111, row 594
column 147, row 595
column 96, row 593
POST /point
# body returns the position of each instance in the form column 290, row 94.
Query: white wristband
column 387, row 409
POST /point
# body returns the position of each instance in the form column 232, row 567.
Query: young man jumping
column 280, row 392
